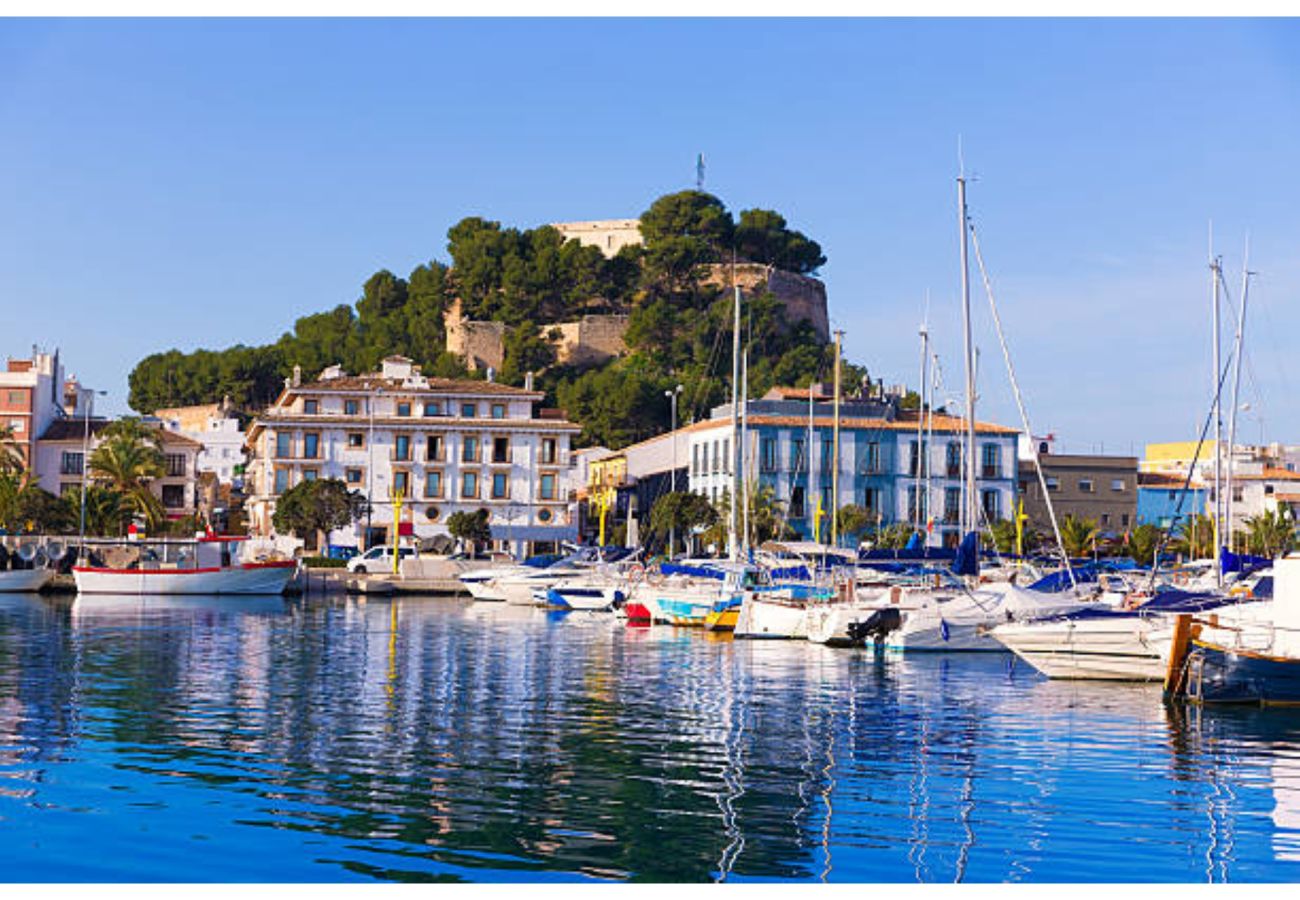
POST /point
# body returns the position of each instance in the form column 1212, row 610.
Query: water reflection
column 413, row 739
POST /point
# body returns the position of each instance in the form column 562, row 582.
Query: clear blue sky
column 200, row 183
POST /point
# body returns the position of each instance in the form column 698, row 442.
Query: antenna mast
column 699, row 172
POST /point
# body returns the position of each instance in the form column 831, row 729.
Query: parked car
column 378, row 559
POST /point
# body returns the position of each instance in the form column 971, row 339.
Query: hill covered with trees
column 679, row 328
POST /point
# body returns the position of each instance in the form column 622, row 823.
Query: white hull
column 580, row 597
column 771, row 619
column 251, row 579
column 483, row 590
column 24, row 580
column 1123, row 648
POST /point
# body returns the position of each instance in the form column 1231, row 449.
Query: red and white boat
column 205, row 565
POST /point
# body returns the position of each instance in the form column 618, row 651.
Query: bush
column 324, row 562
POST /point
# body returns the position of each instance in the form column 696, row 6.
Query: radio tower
column 699, row 172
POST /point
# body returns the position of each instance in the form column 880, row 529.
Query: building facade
column 1164, row 499
column 441, row 445
column 218, row 429
column 64, row 448
column 901, row 466
column 1086, row 486
column 31, row 398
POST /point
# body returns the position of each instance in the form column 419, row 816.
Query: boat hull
column 24, row 581
column 251, row 578
column 773, row 619
column 1218, row 674
column 1122, row 648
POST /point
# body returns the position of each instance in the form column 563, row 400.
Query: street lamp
column 370, row 467
column 672, row 399
column 85, row 453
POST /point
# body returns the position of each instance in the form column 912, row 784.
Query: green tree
column 1078, row 535
column 1271, row 533
column 11, row 457
column 1142, row 543
column 312, row 509
column 470, row 527
column 108, row 512
column 853, row 520
column 762, row 236
column 1194, row 537
column 129, row 457
column 893, row 537
column 683, row 511
column 526, row 350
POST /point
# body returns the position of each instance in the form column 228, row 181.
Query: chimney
column 297, row 375
column 491, row 374
column 528, row 381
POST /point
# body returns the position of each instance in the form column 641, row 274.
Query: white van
column 378, row 559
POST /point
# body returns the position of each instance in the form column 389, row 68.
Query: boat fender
column 636, row 573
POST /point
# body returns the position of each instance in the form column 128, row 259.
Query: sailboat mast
column 745, row 455
column 1236, row 382
column 835, row 448
column 929, row 436
column 968, row 507
column 808, row 465
column 921, row 467
column 733, row 545
column 1215, row 274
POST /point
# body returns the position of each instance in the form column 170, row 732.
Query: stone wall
column 591, row 340
column 804, row 297
column 480, row 344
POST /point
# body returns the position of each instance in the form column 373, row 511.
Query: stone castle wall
column 480, row 344
column 591, row 340
column 802, row 296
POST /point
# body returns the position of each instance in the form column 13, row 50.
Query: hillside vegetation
column 679, row 329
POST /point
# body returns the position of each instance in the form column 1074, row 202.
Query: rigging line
column 1020, row 403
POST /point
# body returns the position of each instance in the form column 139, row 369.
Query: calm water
column 267, row 740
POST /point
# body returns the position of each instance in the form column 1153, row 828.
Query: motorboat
column 202, row 565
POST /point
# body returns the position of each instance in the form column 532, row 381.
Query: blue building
column 880, row 450
column 1161, row 497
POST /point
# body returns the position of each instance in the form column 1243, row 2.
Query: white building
column 443, row 445
column 67, row 443
column 218, row 429
column 31, row 397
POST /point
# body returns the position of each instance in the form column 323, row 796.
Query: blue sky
column 200, row 183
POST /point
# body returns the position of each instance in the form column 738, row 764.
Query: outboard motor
column 877, row 625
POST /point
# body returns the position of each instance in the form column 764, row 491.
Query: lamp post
column 85, row 467
column 672, row 399
column 370, row 467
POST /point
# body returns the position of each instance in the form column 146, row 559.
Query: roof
column 906, row 421
column 1270, row 473
column 366, row 383
column 792, row 393
column 1166, row 481
column 75, row 430
column 1287, row 498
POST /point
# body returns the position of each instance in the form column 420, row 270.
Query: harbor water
column 208, row 739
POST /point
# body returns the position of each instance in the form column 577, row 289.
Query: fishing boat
column 204, row 565
column 29, row 566
column 24, row 580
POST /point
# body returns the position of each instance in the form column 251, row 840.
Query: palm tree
column 1078, row 535
column 107, row 510
column 766, row 522
column 1194, row 537
column 1142, row 543
column 12, row 460
column 128, row 458
column 1271, row 533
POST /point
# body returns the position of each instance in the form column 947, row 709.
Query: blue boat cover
column 967, row 561
column 1241, row 562
column 696, row 571
column 914, row 542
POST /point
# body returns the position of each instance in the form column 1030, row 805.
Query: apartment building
column 31, row 397
column 1086, row 486
column 440, row 445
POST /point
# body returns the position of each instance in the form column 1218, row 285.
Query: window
column 402, row 448
column 432, row 408
column 281, row 480
column 310, row 446
column 716, row 457
column 797, row 502
column 469, row 449
column 952, row 460
column 544, row 516
column 500, row 450
column 500, row 485
column 917, row 507
column 726, row 455
column 433, row 448
column 469, row 484
column 871, row 500
column 351, row 408
column 352, row 476
column 310, row 475
column 871, row 458
column 1117, row 484
column 284, row 445
column 1123, row 519
column 951, row 505
column 767, row 455
column 17, row 398
column 71, row 463
column 828, row 449
column 498, row 410
column 173, row 496
column 1053, row 484
column 433, row 485
column 174, row 465
column 992, row 503
column 311, row 407
column 548, row 451
column 1105, row 518
column 799, row 461
column 356, row 440
column 468, row 410
column 1085, row 485
column 1236, row 495
column 404, row 408
column 991, row 461
column 546, row 487
column 402, row 483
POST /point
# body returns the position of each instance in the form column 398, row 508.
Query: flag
column 1020, row 528
column 817, row 522
column 929, row 525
